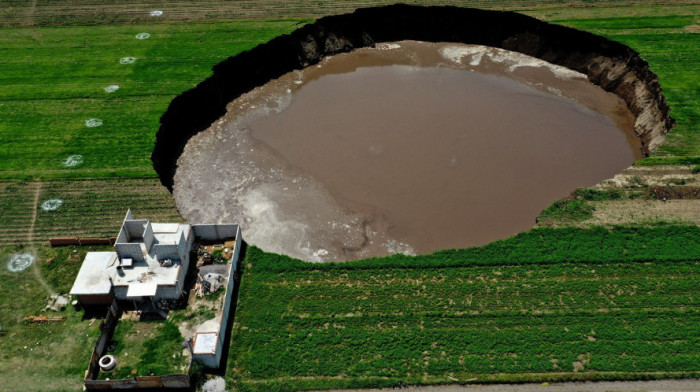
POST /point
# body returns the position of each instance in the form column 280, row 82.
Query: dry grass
column 641, row 212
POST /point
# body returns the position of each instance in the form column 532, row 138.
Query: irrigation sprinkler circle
column 127, row 60
column 20, row 262
column 143, row 36
column 51, row 204
column 111, row 88
column 93, row 122
column 156, row 13
column 73, row 160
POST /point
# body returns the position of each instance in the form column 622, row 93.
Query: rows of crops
column 88, row 208
column 16, row 209
column 351, row 327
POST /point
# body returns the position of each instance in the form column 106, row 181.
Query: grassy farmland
column 538, row 307
column 42, row 356
column 553, row 304
column 53, row 81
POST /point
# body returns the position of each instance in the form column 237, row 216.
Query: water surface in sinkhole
column 408, row 147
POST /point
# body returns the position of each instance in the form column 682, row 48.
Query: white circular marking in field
column 51, row 204
column 20, row 262
column 93, row 122
column 143, row 36
column 156, row 13
column 73, row 160
column 127, row 60
column 111, row 88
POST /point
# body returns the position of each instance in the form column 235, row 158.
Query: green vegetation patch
column 43, row 356
column 567, row 211
column 147, row 348
column 53, row 81
column 516, row 310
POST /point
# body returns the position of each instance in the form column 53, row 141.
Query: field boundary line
column 37, row 191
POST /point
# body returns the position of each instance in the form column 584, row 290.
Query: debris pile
column 211, row 282
column 57, row 302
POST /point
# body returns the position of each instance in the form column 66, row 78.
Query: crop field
column 89, row 207
column 550, row 304
column 482, row 315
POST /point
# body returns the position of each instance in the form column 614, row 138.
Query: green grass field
column 538, row 307
column 42, row 357
column 673, row 53
column 53, row 80
column 551, row 304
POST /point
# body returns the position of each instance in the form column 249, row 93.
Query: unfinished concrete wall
column 166, row 251
column 128, row 250
column 148, row 236
column 87, row 300
column 183, row 245
column 155, row 382
column 169, row 291
column 215, row 232
column 120, row 291
column 214, row 360
column 107, row 327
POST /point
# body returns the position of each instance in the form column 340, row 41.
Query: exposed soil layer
column 613, row 66
column 409, row 147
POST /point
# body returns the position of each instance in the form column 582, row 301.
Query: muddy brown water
column 409, row 147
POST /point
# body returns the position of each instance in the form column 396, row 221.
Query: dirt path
column 31, row 10
column 601, row 386
column 30, row 237
column 35, row 205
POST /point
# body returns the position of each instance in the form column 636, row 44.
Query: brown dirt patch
column 644, row 211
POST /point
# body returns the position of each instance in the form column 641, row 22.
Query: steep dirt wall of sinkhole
column 608, row 64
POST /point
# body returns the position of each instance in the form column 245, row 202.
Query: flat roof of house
column 205, row 343
column 169, row 233
column 150, row 271
column 93, row 277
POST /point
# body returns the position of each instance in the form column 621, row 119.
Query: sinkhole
column 407, row 147
column 405, row 129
